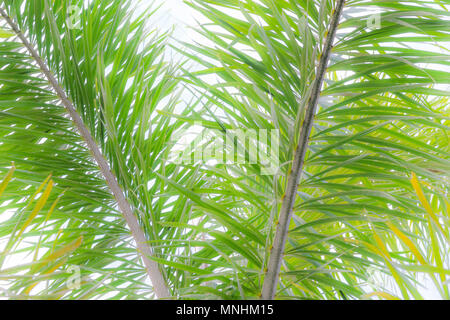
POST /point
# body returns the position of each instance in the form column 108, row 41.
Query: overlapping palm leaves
column 382, row 95
column 383, row 113
column 115, row 73
column 420, row 249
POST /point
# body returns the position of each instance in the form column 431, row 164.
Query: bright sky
column 177, row 14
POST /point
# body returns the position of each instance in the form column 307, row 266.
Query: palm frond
column 120, row 79
column 379, row 110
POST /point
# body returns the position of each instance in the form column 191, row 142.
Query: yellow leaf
column 387, row 257
column 52, row 208
column 65, row 250
column 59, row 253
column 7, row 179
column 53, row 269
column 37, row 192
column 6, row 34
column 14, row 240
column 302, row 288
column 423, row 200
column 381, row 245
column 40, row 204
column 380, row 294
column 408, row 242
column 447, row 204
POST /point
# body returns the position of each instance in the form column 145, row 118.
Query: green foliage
column 383, row 113
column 115, row 72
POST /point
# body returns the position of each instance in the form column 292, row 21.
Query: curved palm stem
column 276, row 256
column 143, row 247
